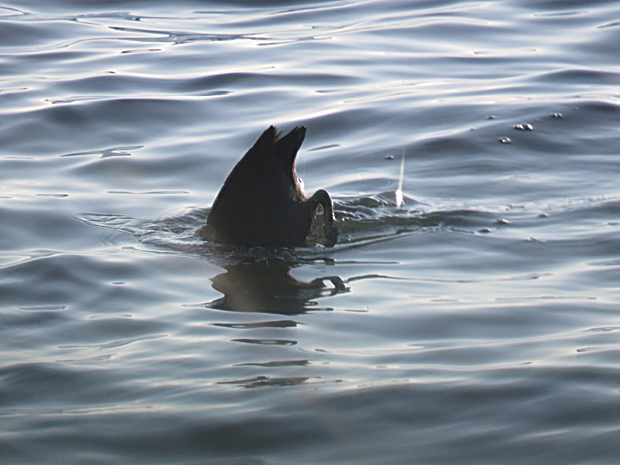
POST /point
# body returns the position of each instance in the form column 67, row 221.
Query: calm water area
column 470, row 312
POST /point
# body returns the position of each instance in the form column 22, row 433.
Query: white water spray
column 399, row 191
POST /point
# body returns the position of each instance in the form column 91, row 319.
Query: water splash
column 399, row 191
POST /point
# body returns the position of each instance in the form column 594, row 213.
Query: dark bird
column 262, row 202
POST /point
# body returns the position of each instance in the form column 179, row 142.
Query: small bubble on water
column 505, row 140
column 524, row 127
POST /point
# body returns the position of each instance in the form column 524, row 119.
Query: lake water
column 478, row 322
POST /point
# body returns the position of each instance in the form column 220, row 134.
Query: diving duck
column 262, row 202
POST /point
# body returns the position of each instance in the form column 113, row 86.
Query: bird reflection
column 269, row 288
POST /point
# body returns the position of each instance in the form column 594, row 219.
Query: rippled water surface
column 477, row 322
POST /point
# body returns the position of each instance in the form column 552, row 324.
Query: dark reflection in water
column 264, row 381
column 269, row 288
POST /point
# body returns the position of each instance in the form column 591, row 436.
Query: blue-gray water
column 477, row 323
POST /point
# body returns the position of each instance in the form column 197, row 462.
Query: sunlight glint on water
column 469, row 313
